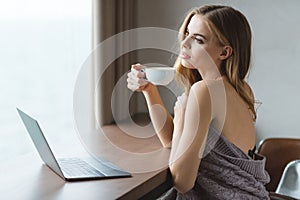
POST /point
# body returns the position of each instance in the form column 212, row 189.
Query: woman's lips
column 184, row 56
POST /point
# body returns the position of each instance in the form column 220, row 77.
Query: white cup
column 160, row 75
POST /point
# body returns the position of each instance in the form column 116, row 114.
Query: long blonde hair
column 231, row 28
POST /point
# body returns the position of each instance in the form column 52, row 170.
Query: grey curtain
column 111, row 17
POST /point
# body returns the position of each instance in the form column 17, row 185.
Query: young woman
column 212, row 133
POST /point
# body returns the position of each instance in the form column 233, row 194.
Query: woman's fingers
column 135, row 87
column 136, row 78
column 141, row 74
column 136, row 73
column 138, row 70
column 138, row 66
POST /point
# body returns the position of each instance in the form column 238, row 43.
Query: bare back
column 238, row 126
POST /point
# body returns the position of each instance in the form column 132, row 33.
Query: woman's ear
column 226, row 52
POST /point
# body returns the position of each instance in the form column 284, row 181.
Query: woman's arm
column 187, row 147
column 161, row 119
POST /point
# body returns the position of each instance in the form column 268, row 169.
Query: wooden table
column 27, row 178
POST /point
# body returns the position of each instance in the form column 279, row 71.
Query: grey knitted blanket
column 226, row 172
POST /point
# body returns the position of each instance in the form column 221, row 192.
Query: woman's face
column 200, row 49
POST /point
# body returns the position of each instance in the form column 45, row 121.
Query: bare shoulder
column 200, row 91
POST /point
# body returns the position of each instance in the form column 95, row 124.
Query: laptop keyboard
column 78, row 167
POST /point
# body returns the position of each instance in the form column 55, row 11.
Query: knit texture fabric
column 226, row 172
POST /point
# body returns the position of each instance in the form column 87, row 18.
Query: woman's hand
column 179, row 112
column 136, row 80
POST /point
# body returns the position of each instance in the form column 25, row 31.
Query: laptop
column 70, row 169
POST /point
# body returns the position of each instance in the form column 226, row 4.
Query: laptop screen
column 40, row 142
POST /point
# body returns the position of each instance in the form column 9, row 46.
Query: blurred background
column 44, row 43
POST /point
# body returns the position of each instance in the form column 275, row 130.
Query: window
column 43, row 44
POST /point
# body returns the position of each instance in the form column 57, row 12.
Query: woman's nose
column 186, row 43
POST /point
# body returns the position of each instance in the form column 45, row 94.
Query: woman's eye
column 200, row 41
